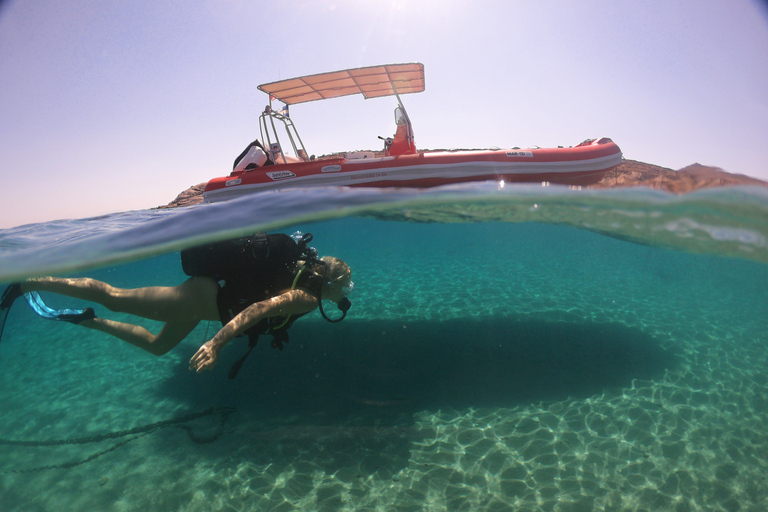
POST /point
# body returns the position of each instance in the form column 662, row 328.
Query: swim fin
column 73, row 316
column 11, row 293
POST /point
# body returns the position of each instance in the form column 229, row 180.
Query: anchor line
column 132, row 434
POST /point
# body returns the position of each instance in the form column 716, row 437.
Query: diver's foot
column 76, row 318
column 11, row 293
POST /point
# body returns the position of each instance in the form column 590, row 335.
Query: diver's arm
column 293, row 302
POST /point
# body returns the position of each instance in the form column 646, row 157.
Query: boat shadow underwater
column 348, row 397
column 385, row 371
column 352, row 397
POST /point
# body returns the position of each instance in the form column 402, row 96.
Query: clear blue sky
column 113, row 105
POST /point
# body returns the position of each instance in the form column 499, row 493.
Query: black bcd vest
column 251, row 269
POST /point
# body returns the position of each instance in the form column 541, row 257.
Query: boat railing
column 269, row 134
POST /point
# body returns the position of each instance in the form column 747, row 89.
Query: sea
column 508, row 348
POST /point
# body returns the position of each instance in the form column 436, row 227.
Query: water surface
column 515, row 348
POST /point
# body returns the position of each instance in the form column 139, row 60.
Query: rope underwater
column 138, row 432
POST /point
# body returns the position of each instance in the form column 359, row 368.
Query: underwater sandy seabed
column 527, row 384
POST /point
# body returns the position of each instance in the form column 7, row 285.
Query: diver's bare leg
column 170, row 335
column 195, row 298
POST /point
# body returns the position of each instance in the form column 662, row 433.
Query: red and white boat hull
column 584, row 164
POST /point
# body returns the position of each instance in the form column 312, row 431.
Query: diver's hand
column 205, row 358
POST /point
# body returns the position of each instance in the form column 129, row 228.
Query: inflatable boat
column 282, row 162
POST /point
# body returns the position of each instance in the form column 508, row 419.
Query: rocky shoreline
column 193, row 195
column 630, row 173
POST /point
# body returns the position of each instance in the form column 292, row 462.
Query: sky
column 113, row 105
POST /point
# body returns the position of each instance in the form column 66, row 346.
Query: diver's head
column 337, row 284
column 337, row 279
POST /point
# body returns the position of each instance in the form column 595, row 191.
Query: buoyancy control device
column 254, row 268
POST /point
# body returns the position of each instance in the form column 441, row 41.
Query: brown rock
column 631, row 173
column 193, row 195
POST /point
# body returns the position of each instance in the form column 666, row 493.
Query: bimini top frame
column 371, row 82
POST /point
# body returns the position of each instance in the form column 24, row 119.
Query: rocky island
column 631, row 173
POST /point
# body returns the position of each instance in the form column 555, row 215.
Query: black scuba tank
column 243, row 258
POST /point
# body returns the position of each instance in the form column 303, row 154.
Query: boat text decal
column 368, row 175
column 230, row 183
column 528, row 154
column 281, row 175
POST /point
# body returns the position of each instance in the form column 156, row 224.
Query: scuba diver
column 254, row 285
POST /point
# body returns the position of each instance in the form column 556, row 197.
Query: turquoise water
column 507, row 349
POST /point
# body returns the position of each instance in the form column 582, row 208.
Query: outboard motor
column 252, row 157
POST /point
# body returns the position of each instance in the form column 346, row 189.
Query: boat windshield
column 399, row 116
